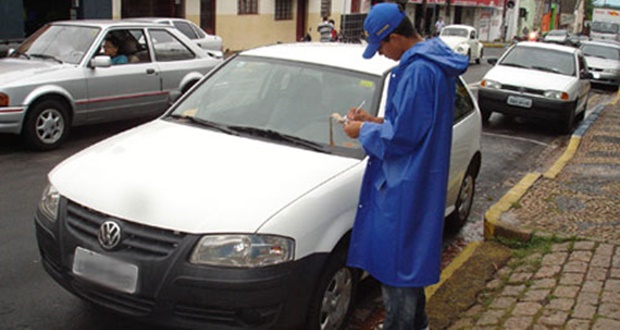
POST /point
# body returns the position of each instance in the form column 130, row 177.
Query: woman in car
column 110, row 48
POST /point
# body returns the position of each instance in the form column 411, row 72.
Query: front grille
column 523, row 89
column 595, row 70
column 248, row 317
column 143, row 241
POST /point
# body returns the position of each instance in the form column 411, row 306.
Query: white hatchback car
column 235, row 208
column 463, row 39
column 537, row 80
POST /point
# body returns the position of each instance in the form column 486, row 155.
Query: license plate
column 518, row 101
column 104, row 270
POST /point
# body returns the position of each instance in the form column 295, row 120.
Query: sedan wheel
column 464, row 201
column 46, row 127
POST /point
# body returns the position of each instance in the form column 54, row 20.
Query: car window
column 448, row 32
column 132, row 44
column 610, row 53
column 168, row 48
column 463, row 104
column 541, row 59
column 186, row 29
column 583, row 67
column 201, row 34
column 63, row 43
column 282, row 96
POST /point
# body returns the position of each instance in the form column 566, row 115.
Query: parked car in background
column 557, row 37
column 210, row 43
column 603, row 59
column 537, row 80
column 234, row 209
column 575, row 39
column 59, row 77
column 463, row 39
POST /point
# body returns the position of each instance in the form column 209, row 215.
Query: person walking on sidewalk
column 398, row 228
column 325, row 30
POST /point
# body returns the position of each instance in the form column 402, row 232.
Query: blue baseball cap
column 382, row 19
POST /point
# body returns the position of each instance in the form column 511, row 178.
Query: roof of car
column 104, row 23
column 155, row 19
column 533, row 44
column 341, row 55
column 608, row 43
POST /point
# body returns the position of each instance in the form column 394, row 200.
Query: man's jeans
column 404, row 308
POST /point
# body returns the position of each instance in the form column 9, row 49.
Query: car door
column 175, row 59
column 125, row 90
column 584, row 81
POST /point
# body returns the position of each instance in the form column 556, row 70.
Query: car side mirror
column 101, row 61
column 492, row 61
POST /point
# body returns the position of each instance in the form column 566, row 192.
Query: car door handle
column 150, row 71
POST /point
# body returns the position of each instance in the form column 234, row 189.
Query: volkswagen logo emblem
column 109, row 234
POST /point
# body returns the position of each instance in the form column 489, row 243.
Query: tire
column 581, row 116
column 464, row 201
column 469, row 56
column 333, row 299
column 46, row 126
column 567, row 126
column 479, row 59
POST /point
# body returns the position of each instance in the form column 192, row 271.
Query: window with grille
column 284, row 10
column 326, row 8
column 248, row 7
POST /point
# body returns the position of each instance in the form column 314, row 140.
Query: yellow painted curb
column 452, row 268
column 491, row 217
column 566, row 156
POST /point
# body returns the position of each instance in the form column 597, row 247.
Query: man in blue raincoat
column 399, row 224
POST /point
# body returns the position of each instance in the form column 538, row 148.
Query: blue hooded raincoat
column 399, row 223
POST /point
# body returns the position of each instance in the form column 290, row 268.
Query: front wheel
column 333, row 300
column 46, row 125
column 479, row 59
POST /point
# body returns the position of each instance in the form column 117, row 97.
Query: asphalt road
column 30, row 299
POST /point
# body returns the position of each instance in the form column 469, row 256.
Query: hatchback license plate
column 518, row 101
column 101, row 269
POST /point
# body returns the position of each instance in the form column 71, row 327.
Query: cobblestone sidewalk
column 573, row 285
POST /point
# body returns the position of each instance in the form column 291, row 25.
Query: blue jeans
column 404, row 308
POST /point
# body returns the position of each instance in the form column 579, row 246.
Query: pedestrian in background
column 397, row 234
column 325, row 30
column 439, row 25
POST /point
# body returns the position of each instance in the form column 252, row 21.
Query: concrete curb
column 493, row 226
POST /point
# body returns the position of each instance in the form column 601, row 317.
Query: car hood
column 602, row 63
column 12, row 70
column 529, row 78
column 192, row 179
column 453, row 41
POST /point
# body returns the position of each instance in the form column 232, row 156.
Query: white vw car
column 234, row 209
column 463, row 39
column 537, row 80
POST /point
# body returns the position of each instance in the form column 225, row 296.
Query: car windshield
column 610, row 53
column 541, row 59
column 61, row 43
column 251, row 94
column 454, row 32
column 604, row 27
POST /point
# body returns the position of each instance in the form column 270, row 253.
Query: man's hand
column 352, row 128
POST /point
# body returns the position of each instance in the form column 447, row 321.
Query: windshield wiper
column 46, row 56
column 16, row 52
column 515, row 65
column 546, row 69
column 271, row 134
column 207, row 123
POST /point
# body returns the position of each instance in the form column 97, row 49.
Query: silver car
column 60, row 77
column 603, row 58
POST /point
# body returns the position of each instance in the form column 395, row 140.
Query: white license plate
column 101, row 269
column 518, row 101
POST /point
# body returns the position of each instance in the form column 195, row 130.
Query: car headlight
column 242, row 251
column 612, row 71
column 49, row 203
column 557, row 95
column 490, row 84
